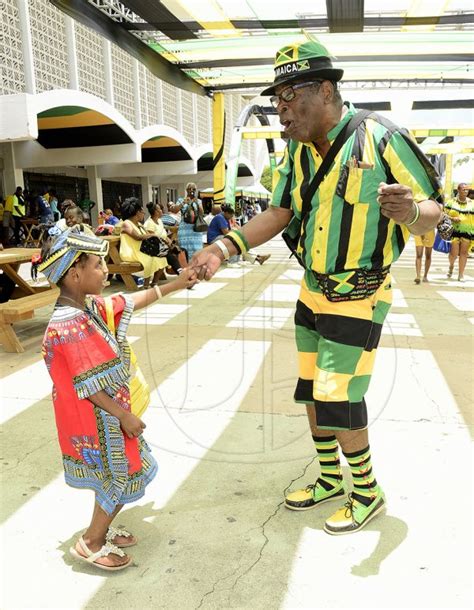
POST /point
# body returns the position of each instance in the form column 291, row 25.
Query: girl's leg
column 146, row 282
column 427, row 263
column 453, row 254
column 419, row 257
column 94, row 537
column 463, row 252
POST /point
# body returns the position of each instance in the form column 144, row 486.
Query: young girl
column 101, row 440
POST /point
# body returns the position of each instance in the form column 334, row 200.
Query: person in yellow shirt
column 461, row 211
column 14, row 211
column 18, row 213
column 423, row 242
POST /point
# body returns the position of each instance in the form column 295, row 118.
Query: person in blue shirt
column 220, row 224
column 218, row 229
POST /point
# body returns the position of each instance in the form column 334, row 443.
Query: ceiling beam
column 156, row 12
column 345, row 15
column 387, row 83
column 268, row 61
column 379, row 21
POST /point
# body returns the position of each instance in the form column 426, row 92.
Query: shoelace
column 349, row 508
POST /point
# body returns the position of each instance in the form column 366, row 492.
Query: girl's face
column 91, row 274
column 158, row 213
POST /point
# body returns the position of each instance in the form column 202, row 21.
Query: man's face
column 303, row 115
column 463, row 190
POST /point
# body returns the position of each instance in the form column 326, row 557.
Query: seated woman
column 133, row 233
column 155, row 223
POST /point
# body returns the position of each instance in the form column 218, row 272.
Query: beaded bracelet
column 239, row 237
column 417, row 215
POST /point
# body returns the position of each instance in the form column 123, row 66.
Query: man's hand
column 396, row 202
column 206, row 263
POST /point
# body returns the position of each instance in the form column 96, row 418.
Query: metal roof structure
column 213, row 45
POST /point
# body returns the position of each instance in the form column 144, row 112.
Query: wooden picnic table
column 26, row 297
column 117, row 265
column 28, row 225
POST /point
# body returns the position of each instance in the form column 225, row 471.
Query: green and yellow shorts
column 337, row 343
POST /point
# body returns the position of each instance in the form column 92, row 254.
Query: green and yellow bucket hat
column 303, row 59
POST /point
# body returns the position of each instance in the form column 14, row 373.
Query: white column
column 71, row 52
column 12, row 175
column 95, row 193
column 147, row 190
column 108, row 74
column 27, row 46
column 136, row 93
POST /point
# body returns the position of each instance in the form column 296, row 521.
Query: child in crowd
column 109, row 218
column 89, row 361
column 74, row 216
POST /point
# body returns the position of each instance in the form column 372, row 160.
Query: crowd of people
column 460, row 210
column 41, row 206
column 173, row 224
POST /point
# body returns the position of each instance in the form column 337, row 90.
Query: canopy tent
column 212, row 45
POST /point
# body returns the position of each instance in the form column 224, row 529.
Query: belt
column 352, row 284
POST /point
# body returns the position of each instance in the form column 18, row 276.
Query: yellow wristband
column 417, row 215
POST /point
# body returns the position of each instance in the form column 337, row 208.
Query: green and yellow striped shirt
column 344, row 228
column 465, row 212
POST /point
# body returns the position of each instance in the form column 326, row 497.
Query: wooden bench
column 23, row 308
column 116, row 265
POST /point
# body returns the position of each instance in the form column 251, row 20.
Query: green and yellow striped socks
column 366, row 489
column 328, row 455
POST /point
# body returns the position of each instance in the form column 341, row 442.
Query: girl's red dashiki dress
column 83, row 357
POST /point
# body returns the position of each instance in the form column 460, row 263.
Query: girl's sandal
column 113, row 532
column 91, row 558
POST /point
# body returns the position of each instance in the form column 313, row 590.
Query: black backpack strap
column 336, row 146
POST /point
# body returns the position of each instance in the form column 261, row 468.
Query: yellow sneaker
column 312, row 495
column 353, row 516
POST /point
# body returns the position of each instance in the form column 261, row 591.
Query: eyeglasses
column 289, row 94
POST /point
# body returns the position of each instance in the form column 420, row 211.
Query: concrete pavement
column 229, row 441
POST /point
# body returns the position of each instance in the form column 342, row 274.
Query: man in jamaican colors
column 379, row 189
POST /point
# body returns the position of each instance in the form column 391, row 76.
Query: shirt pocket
column 357, row 185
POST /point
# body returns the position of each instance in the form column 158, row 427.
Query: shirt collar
column 332, row 134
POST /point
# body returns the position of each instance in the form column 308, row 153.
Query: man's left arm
column 415, row 199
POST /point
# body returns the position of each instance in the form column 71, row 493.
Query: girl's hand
column 186, row 279
column 131, row 425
